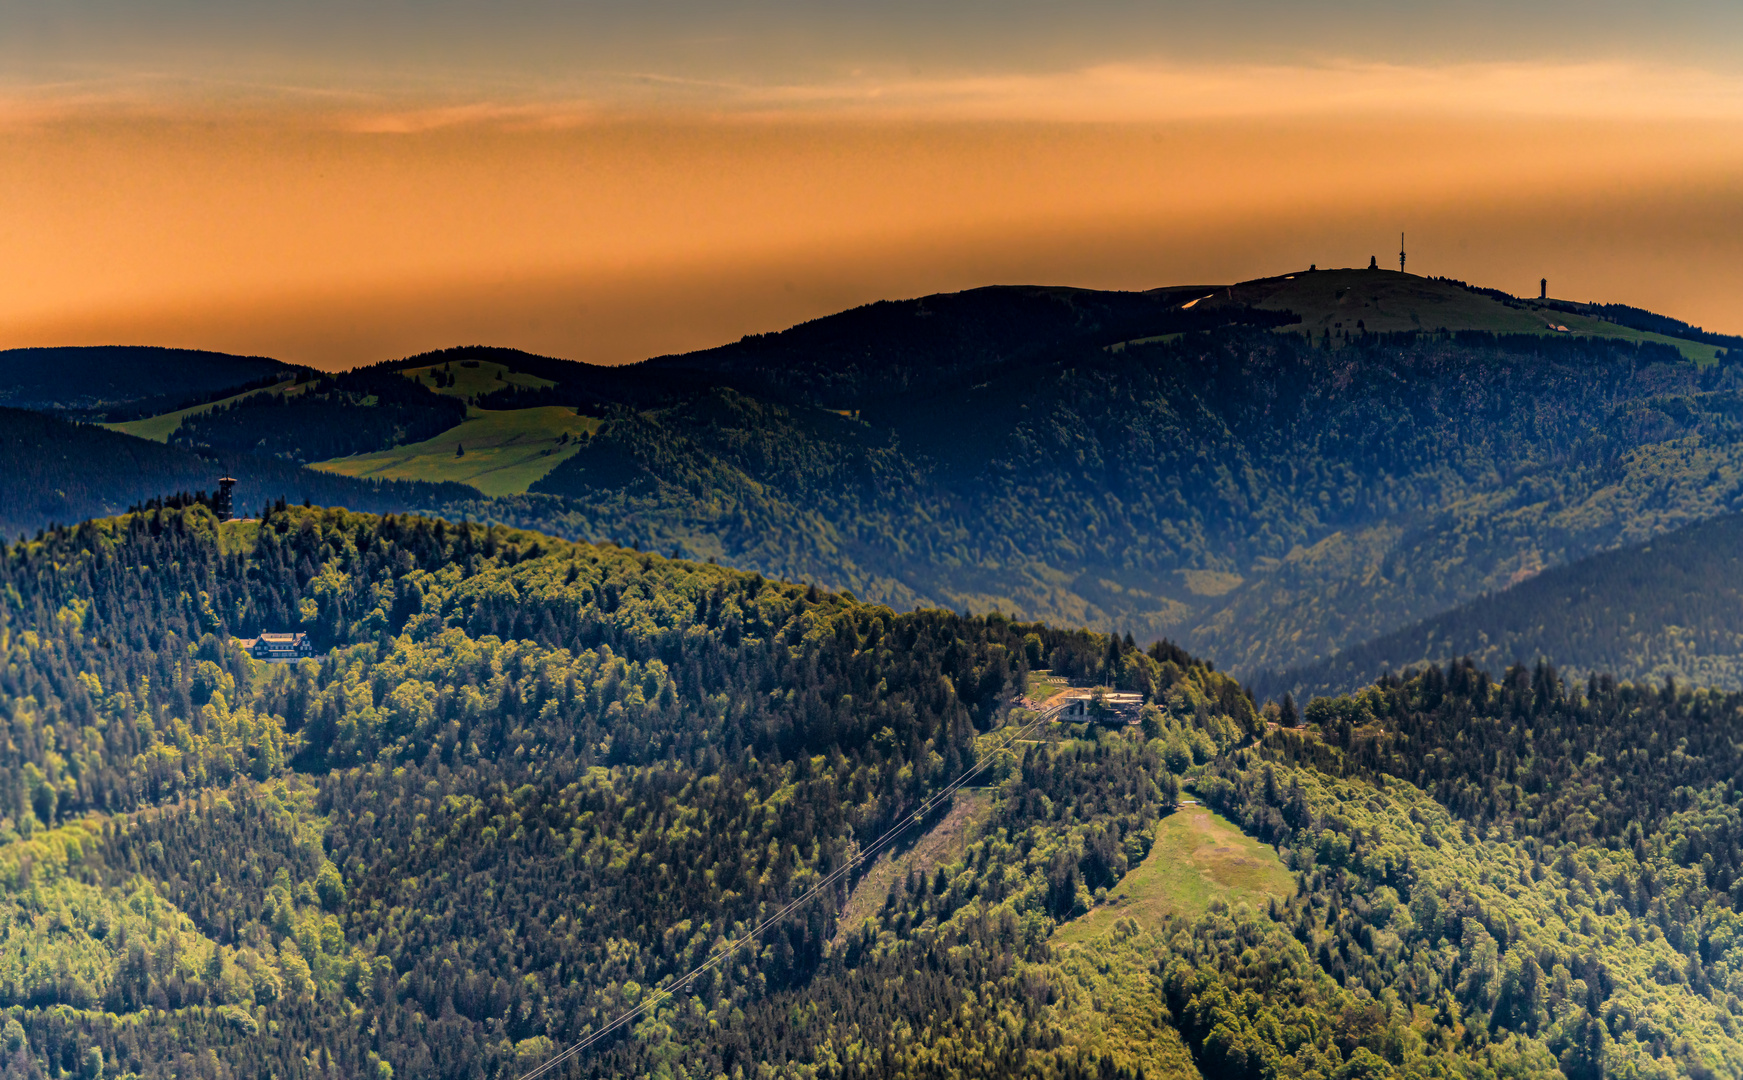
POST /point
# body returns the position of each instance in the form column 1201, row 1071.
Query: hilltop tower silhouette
column 1400, row 253
column 221, row 502
column 1543, row 289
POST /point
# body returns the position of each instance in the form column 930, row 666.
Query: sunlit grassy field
column 1044, row 684
column 1198, row 856
column 160, row 427
column 506, row 451
column 1387, row 301
column 470, row 382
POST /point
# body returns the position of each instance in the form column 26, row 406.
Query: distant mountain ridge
column 1269, row 472
column 1384, row 301
column 90, row 378
column 1249, row 493
column 332, row 416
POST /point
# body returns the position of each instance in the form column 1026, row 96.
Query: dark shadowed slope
column 98, row 376
column 893, row 347
column 56, row 471
column 1669, row 608
column 355, row 412
column 1267, row 499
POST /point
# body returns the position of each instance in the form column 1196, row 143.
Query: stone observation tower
column 1543, row 289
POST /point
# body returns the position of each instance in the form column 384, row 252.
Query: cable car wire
column 670, row 989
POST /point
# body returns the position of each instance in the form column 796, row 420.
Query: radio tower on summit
column 1400, row 253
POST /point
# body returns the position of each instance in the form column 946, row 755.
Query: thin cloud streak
column 1104, row 93
column 1128, row 92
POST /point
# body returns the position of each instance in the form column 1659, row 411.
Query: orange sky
column 342, row 229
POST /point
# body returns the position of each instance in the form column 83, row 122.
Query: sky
column 341, row 183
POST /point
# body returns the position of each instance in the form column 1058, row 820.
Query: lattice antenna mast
column 1400, row 253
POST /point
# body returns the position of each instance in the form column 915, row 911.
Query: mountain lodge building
column 279, row 648
column 1107, row 707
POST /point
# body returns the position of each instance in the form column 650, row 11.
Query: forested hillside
column 526, row 782
column 350, row 413
column 1266, row 498
column 1671, row 609
column 1601, row 902
column 608, row 758
column 60, row 472
column 93, row 379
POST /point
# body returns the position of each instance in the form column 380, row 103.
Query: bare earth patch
column 937, row 847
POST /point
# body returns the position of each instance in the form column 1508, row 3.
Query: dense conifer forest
column 1667, row 609
column 527, row 783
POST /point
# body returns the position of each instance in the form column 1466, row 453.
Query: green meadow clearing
column 1044, row 684
column 1386, row 301
column 160, row 427
column 472, row 378
column 1109, row 1001
column 505, row 451
column 1198, row 856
